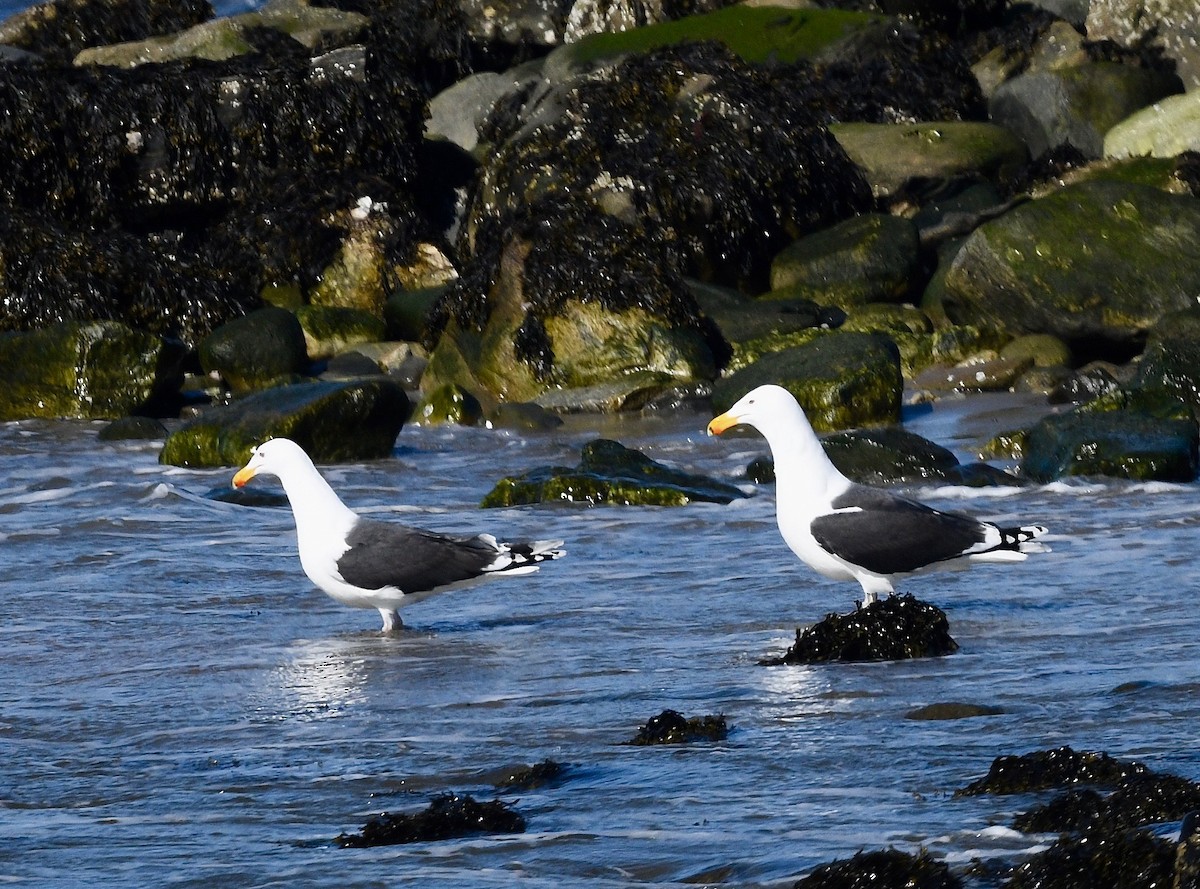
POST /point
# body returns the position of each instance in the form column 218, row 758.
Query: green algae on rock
column 842, row 380
column 333, row 422
column 330, row 330
column 447, row 817
column 449, row 403
column 898, row 627
column 610, row 474
column 102, row 370
column 672, row 727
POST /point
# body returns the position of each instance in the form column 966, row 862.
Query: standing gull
column 848, row 531
column 369, row 564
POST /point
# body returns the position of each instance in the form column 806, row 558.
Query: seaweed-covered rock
column 330, row 330
column 333, row 422
column 895, row 628
column 866, row 259
column 101, row 370
column 1047, row 769
column 883, row 869
column 1122, row 443
column 548, row 772
column 1016, row 274
column 448, row 816
column 840, row 379
column 611, row 474
column 1131, row 859
column 256, row 350
column 1137, row 801
column 672, row 727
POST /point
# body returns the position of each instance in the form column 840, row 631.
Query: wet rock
column 449, row 404
column 1187, row 856
column 632, row 392
column 1120, row 860
column 981, row 475
column 524, row 415
column 1049, row 769
column 980, row 373
column 952, row 710
column 58, row 29
column 614, row 16
column 333, row 422
column 1136, row 801
column 1008, row 277
column 610, row 474
column 1171, row 361
column 672, row 727
column 97, row 371
column 1127, row 444
column 1093, row 380
column 449, row 816
column 350, row 366
column 893, row 156
column 889, row 455
column 866, row 259
column 894, row 628
column 546, row 773
column 1077, row 105
column 884, row 869
column 841, row 380
column 1166, row 128
column 133, row 429
column 256, row 350
column 329, row 330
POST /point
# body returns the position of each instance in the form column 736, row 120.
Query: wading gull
column 848, row 531
column 383, row 565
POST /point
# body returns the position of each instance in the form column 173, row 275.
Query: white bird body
column 364, row 563
column 847, row 531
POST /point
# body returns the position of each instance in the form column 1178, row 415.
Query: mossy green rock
column 1125, row 265
column 841, row 380
column 333, row 422
column 1122, row 444
column 329, row 330
column 100, row 370
column 756, row 34
column 1041, row 349
column 449, row 404
column 611, row 474
column 866, row 259
column 255, row 350
column 891, row 155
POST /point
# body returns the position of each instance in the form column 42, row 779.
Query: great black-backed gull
column 848, row 531
column 383, row 565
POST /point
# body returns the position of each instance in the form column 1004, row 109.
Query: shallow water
column 181, row 708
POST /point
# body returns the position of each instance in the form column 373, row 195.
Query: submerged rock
column 672, row 727
column 610, row 474
column 548, row 772
column 883, row 869
column 87, row 371
column 333, row 422
column 449, row 816
column 895, row 628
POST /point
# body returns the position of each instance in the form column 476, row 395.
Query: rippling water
column 180, row 707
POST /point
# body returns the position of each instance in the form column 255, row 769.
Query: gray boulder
column 1076, row 105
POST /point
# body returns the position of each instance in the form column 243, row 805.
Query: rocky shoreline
column 326, row 220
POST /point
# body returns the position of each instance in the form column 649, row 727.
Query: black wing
column 383, row 554
column 892, row 535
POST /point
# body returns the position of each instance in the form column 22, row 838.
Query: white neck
column 804, row 473
column 317, row 509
